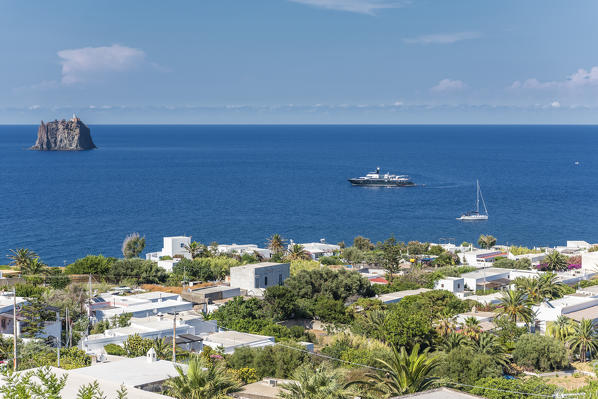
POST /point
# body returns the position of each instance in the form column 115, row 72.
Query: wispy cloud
column 582, row 78
column 443, row 38
column 449, row 85
column 359, row 6
column 79, row 65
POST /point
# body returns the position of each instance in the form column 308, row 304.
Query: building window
column 441, row 285
column 458, row 285
column 266, row 281
column 280, row 279
column 182, row 245
column 3, row 324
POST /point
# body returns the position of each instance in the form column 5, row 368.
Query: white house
column 574, row 306
column 589, row 261
column 173, row 250
column 145, row 309
column 159, row 326
column 481, row 257
column 7, row 300
column 486, row 277
column 230, row 340
column 318, row 249
column 395, row 297
column 456, row 285
column 255, row 278
column 246, row 249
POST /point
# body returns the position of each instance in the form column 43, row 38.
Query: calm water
column 242, row 183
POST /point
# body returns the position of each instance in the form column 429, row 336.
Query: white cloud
column 34, row 107
column 359, row 6
column 449, row 85
column 81, row 64
column 397, row 103
column 443, row 38
column 555, row 104
column 580, row 79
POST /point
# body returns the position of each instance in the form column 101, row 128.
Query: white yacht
column 476, row 215
column 377, row 179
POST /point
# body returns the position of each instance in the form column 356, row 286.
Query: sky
column 299, row 61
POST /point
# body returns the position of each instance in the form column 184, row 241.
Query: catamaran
column 476, row 215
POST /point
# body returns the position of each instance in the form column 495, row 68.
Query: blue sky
column 300, row 61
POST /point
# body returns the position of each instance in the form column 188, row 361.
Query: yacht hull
column 380, row 183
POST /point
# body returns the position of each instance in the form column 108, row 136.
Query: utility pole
column 66, row 327
column 90, row 295
column 59, row 339
column 174, row 338
column 14, row 329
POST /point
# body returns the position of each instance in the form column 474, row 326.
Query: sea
column 241, row 184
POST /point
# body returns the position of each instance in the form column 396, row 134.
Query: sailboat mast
column 477, row 197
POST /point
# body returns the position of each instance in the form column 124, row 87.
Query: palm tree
column 531, row 287
column 297, row 252
column 203, row 380
column 556, row 261
column 584, row 338
column 21, row 257
column 561, row 328
column 162, row 348
column 471, row 327
column 453, row 341
column 133, row 245
column 486, row 241
column 276, row 243
column 489, row 345
column 195, row 249
column 550, row 287
column 34, row 267
column 445, row 325
column 319, row 383
column 515, row 306
column 405, row 373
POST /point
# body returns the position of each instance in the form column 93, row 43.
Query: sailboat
column 476, row 215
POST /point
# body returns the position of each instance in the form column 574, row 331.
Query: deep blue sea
column 240, row 184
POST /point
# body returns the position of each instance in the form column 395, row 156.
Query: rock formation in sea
column 71, row 135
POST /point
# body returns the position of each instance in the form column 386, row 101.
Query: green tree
column 352, row 255
column 91, row 264
column 276, row 244
column 36, row 315
column 280, row 302
column 392, row 257
column 405, row 373
column 363, row 244
column 34, row 267
column 539, row 352
column 136, row 346
column 296, row 252
column 453, row 341
column 403, row 327
column 486, row 241
column 561, row 328
column 555, row 261
column 138, row 270
column 322, row 382
column 133, row 245
column 515, row 306
column 196, row 249
column 21, row 257
column 465, row 365
column 583, row 339
column 34, row 384
column 202, row 380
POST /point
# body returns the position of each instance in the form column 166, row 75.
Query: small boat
column 476, row 215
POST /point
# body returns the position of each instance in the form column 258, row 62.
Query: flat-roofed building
column 231, row 340
column 256, row 277
column 395, row 297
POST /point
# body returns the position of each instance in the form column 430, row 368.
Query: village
column 140, row 336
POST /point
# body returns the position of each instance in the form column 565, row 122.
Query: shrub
column 501, row 388
column 466, row 366
column 540, row 352
column 116, row 350
column 94, row 264
column 331, row 260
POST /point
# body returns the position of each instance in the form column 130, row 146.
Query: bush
column 94, row 264
column 29, row 290
column 501, row 388
column 331, row 260
column 116, row 350
column 466, row 366
column 540, row 352
column 138, row 270
column 270, row 361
